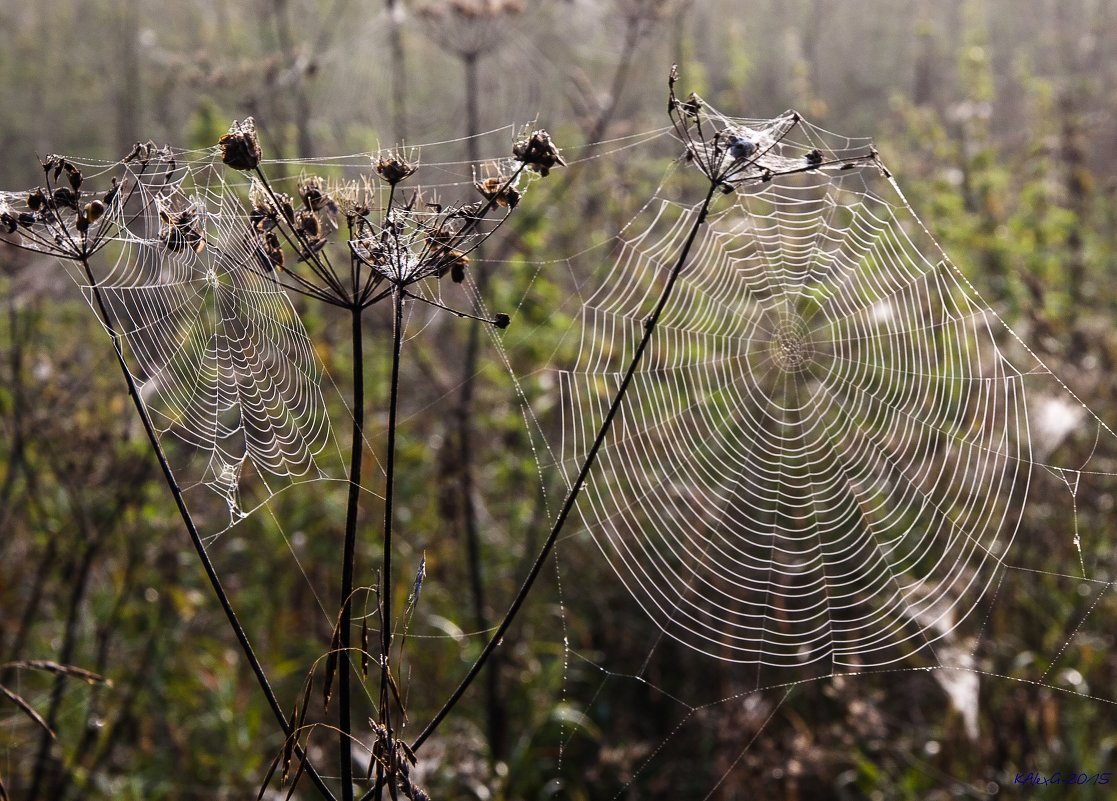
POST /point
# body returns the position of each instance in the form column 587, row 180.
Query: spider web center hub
column 791, row 346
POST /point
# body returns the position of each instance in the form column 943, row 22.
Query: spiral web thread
column 828, row 447
column 223, row 362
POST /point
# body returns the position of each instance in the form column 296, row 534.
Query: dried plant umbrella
column 492, row 41
column 470, row 28
column 218, row 355
column 824, row 457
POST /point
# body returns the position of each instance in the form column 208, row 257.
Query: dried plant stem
column 385, row 625
column 191, row 528
column 345, row 723
column 386, row 570
column 463, row 418
column 579, row 482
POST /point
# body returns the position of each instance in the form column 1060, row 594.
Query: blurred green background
column 996, row 117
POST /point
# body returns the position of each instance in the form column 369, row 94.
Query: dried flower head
column 240, row 149
column 538, row 152
column 395, row 166
column 353, row 199
column 470, row 28
column 473, row 9
column 308, row 224
column 65, row 197
column 9, row 219
column 94, row 210
column 497, row 186
column 313, row 194
column 181, row 230
column 145, row 152
column 270, row 253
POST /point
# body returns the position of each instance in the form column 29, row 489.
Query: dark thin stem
column 399, row 72
column 17, row 453
column 345, row 724
column 463, row 420
column 620, row 77
column 192, row 529
column 472, row 96
column 385, row 599
column 444, row 307
column 389, row 492
column 579, row 482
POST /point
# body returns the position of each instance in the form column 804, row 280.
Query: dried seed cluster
column 240, row 148
column 183, row 230
column 57, row 218
column 538, row 152
column 394, row 166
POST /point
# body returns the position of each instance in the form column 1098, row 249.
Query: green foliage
column 1007, row 158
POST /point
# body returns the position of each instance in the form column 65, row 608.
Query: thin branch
column 345, row 724
column 579, row 482
column 389, row 492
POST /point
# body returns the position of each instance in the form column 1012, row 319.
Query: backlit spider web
column 223, row 364
column 828, row 448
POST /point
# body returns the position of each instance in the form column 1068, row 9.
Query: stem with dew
column 579, row 482
column 463, row 415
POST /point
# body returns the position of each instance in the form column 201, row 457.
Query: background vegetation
column 998, row 124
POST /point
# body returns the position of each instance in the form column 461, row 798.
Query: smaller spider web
column 222, row 361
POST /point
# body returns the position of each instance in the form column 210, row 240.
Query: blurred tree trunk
column 129, row 83
column 398, row 71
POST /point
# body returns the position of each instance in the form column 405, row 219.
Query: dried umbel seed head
column 314, row 197
column 240, row 149
column 270, row 254
column 66, row 197
column 182, row 231
column 308, row 224
column 538, row 152
column 94, row 209
column 497, row 189
column 9, row 221
column 394, row 167
column 692, row 106
column 267, row 208
column 444, row 258
column 463, row 10
column 353, row 199
column 73, row 175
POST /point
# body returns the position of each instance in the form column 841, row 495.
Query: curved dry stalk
column 579, row 482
